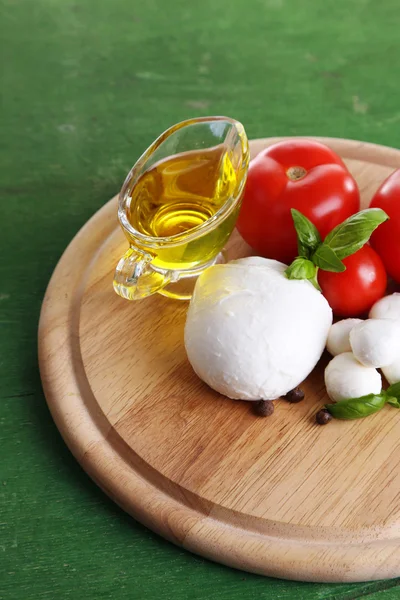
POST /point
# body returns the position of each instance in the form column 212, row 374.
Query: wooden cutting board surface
column 279, row 496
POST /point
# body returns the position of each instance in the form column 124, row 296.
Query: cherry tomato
column 300, row 174
column 354, row 291
column 386, row 239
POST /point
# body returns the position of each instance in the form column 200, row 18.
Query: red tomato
column 354, row 291
column 300, row 174
column 386, row 239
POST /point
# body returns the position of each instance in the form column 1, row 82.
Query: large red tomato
column 354, row 291
column 300, row 174
column 386, row 239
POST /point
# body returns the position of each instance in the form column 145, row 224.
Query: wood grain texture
column 281, row 497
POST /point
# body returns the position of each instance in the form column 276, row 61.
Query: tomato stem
column 296, row 173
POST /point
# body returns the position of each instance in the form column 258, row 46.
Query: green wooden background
column 86, row 86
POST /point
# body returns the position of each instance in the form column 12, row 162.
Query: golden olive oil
column 177, row 195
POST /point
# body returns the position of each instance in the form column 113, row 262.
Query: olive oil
column 179, row 194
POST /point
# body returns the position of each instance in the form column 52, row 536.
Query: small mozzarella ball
column 386, row 308
column 392, row 372
column 376, row 342
column 338, row 336
column 346, row 378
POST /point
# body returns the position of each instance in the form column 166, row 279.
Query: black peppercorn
column 263, row 408
column 323, row 417
column 294, row 396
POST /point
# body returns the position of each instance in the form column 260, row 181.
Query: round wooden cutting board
column 279, row 496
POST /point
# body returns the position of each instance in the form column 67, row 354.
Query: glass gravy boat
column 179, row 205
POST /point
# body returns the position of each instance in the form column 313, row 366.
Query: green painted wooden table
column 86, row 86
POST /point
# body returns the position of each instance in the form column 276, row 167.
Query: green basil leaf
column 301, row 268
column 357, row 408
column 308, row 238
column 393, row 402
column 394, row 390
column 354, row 232
column 325, row 258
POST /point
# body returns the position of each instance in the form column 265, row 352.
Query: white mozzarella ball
column 345, row 378
column 338, row 337
column 392, row 372
column 253, row 334
column 386, row 308
column 376, row 342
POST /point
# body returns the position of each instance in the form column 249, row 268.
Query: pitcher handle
column 135, row 277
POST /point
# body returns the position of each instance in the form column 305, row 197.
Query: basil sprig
column 326, row 259
column 342, row 241
column 354, row 232
column 358, row 408
column 308, row 238
column 301, row 268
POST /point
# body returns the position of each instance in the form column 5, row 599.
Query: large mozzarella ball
column 259, row 261
column 338, row 338
column 345, row 378
column 253, row 334
column 386, row 308
column 376, row 342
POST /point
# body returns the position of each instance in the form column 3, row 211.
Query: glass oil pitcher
column 178, row 206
